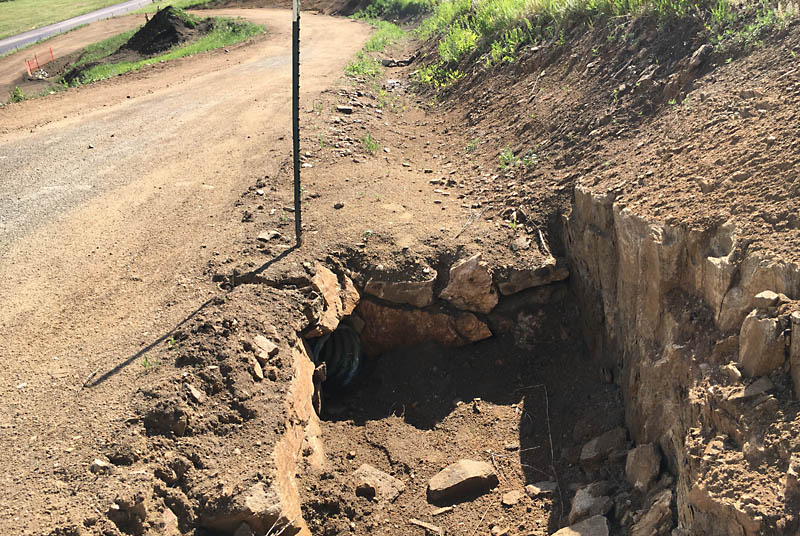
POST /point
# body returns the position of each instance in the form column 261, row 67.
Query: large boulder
column 463, row 479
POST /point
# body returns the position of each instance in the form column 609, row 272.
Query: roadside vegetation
column 366, row 64
column 493, row 32
column 19, row 16
column 226, row 32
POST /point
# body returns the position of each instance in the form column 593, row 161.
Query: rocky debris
column 594, row 526
column 758, row 387
column 590, row 501
column 266, row 236
column 731, row 372
column 258, row 507
column 373, row 483
column 642, row 466
column 416, row 293
column 129, row 511
column 657, row 521
column 196, row 394
column 598, row 449
column 463, row 479
column 388, row 328
column 101, row 467
column 338, row 205
column 518, row 279
column 470, row 286
column 344, row 109
column 512, row 498
column 541, row 488
column 761, row 344
column 430, row 528
column 264, row 348
column 792, row 482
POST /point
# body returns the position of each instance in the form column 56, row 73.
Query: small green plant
column 507, row 158
column 17, row 95
column 530, row 160
column 147, row 364
column 471, row 146
column 672, row 102
column 370, row 144
column 367, row 234
column 171, row 344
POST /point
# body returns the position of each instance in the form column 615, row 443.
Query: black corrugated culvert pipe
column 341, row 353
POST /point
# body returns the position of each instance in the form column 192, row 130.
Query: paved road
column 44, row 32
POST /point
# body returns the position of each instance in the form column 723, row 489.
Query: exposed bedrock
column 703, row 355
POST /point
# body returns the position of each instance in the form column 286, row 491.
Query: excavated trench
column 651, row 388
column 641, row 383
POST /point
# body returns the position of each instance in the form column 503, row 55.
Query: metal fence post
column 298, row 231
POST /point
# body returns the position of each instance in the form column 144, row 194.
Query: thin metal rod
column 298, row 230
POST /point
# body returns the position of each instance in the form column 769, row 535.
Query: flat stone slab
column 465, row 478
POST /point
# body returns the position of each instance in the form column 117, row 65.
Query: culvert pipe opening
column 340, row 351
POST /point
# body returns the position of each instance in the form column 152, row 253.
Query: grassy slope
column 226, row 32
column 17, row 16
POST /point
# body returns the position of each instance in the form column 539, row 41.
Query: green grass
column 498, row 30
column 226, row 32
column 393, row 9
column 182, row 4
column 19, row 16
column 385, row 34
column 363, row 66
column 370, row 144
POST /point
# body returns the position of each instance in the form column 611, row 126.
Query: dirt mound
column 167, row 28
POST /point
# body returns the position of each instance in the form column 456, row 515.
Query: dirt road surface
column 111, row 199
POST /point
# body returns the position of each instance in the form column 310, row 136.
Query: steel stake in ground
column 296, row 118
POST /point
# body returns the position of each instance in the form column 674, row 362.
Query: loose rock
column 658, row 519
column 373, row 483
column 594, row 526
column 598, row 449
column 101, row 467
column 590, row 501
column 462, row 479
column 512, row 498
column 642, row 466
column 541, row 488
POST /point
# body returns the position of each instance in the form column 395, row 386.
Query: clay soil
column 121, row 298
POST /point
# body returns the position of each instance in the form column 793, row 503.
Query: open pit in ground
column 645, row 367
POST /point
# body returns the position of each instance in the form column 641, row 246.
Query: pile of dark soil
column 168, row 27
